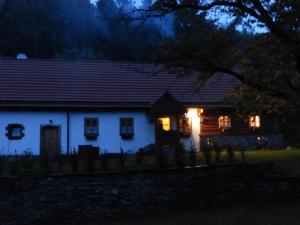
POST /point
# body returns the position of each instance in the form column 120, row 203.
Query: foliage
column 123, row 159
column 14, row 165
column 267, row 64
column 207, row 152
column 230, row 152
column 218, row 150
column 27, row 160
column 180, row 156
column 161, row 158
column 104, row 158
column 193, row 158
column 75, row 29
column 2, row 164
column 140, row 157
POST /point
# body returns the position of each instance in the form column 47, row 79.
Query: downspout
column 68, row 133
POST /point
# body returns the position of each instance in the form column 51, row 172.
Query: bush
column 27, row 160
column 2, row 164
column 123, row 159
column 140, row 157
column 73, row 158
column 207, row 153
column 45, row 165
column 230, row 151
column 192, row 154
column 14, row 166
column 104, row 158
column 161, row 158
column 218, row 150
column 242, row 153
column 179, row 156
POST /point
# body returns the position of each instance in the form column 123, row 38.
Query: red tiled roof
column 48, row 83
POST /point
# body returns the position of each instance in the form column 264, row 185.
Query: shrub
column 104, row 161
column 73, row 158
column 179, row 156
column 140, row 157
column 192, row 154
column 218, row 150
column 45, row 165
column 2, row 164
column 14, row 166
column 123, row 159
column 242, row 151
column 230, row 151
column 27, row 160
column 207, row 153
column 161, row 158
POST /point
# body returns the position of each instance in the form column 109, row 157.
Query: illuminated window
column 254, row 122
column 165, row 123
column 224, row 122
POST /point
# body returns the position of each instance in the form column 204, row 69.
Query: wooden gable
column 167, row 104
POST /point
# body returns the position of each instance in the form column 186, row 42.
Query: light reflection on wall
column 195, row 115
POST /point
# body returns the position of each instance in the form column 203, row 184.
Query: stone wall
column 75, row 199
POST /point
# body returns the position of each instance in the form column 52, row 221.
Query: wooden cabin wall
column 210, row 124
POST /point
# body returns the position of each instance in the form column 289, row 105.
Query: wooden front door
column 50, row 141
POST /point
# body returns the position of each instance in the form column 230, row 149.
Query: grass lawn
column 286, row 214
column 285, row 161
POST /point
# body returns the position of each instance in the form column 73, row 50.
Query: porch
column 175, row 124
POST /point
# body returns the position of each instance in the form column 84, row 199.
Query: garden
column 285, row 161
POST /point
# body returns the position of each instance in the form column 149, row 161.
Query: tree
column 122, row 37
column 44, row 28
column 268, row 64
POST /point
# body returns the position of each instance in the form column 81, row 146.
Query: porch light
column 165, row 123
column 224, row 122
column 254, row 122
column 200, row 111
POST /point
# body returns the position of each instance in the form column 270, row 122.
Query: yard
column 285, row 161
column 279, row 214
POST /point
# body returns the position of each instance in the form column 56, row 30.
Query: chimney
column 22, row 56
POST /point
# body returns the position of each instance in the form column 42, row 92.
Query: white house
column 50, row 107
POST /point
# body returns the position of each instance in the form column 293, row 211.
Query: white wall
column 109, row 134
column 32, row 122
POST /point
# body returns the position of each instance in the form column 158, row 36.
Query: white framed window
column 91, row 128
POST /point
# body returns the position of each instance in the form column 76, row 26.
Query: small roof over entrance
column 167, row 104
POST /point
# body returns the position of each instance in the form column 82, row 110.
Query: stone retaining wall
column 74, row 199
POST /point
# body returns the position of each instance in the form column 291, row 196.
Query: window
column 126, row 128
column 185, row 126
column 15, row 131
column 224, row 122
column 165, row 123
column 254, row 122
column 91, row 128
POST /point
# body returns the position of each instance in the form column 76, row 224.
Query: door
column 50, row 141
column 167, row 134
